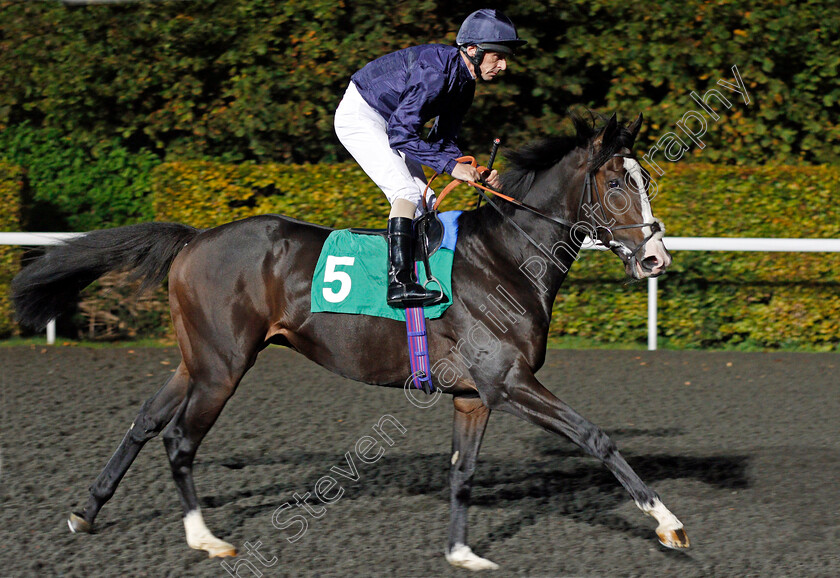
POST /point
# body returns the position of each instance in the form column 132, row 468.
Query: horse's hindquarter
column 256, row 269
column 252, row 279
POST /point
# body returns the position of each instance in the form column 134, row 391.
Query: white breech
column 363, row 132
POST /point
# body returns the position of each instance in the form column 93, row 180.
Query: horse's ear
column 609, row 130
column 635, row 126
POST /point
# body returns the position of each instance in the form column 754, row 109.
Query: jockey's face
column 492, row 64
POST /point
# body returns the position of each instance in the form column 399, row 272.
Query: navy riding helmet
column 490, row 31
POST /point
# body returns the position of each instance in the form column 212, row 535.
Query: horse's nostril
column 650, row 263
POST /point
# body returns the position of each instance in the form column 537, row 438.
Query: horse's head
column 590, row 184
column 615, row 205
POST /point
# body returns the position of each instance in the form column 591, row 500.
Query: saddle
column 429, row 234
column 429, row 231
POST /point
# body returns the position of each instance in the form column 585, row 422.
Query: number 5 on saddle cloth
column 352, row 277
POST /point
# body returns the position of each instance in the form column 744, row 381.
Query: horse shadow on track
column 565, row 483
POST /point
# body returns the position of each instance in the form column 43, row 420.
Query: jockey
column 383, row 112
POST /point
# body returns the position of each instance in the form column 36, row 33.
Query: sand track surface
column 743, row 448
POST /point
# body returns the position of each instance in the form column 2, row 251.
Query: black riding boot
column 403, row 288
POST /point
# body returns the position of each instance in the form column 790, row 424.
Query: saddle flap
column 428, row 230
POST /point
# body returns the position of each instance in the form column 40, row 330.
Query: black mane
column 524, row 163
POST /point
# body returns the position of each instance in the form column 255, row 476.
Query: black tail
column 53, row 282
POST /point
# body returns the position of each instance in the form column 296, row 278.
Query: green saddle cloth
column 352, row 277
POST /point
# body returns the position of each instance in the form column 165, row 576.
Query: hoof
column 223, row 550
column 676, row 539
column 463, row 557
column 79, row 525
column 215, row 548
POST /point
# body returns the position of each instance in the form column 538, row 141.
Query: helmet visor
column 506, row 49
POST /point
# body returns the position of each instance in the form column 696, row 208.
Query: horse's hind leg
column 155, row 413
column 525, row 397
column 471, row 417
column 215, row 378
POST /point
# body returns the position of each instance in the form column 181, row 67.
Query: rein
column 590, row 183
column 481, row 188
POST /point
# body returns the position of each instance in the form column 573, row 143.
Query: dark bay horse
column 239, row 287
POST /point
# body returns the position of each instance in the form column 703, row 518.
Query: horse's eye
column 613, row 184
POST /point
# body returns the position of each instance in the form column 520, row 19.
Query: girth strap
column 418, row 349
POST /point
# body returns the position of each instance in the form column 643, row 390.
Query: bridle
column 590, row 193
column 619, row 248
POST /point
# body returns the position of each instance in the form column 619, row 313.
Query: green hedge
column 11, row 185
column 707, row 299
column 74, row 187
column 717, row 299
column 260, row 79
column 206, row 194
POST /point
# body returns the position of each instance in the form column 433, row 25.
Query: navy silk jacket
column 414, row 85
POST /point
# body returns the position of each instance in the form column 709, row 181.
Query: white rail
column 672, row 243
column 731, row 244
column 35, row 239
column 752, row 244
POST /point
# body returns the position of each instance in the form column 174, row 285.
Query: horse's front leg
column 522, row 395
column 471, row 417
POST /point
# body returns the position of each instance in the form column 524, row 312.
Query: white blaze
column 654, row 247
column 635, row 171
